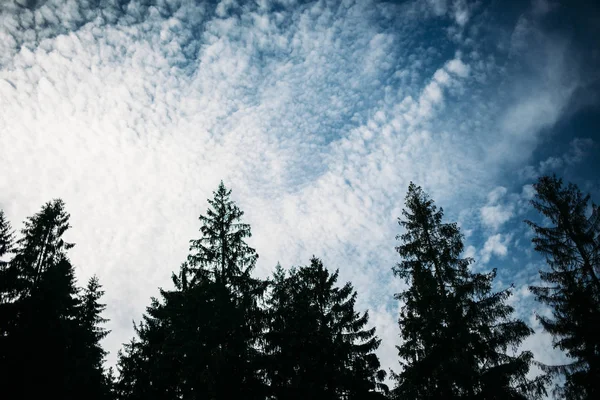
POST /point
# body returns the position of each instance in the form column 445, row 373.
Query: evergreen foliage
column 6, row 248
column 570, row 241
column 47, row 342
column 456, row 333
column 221, row 333
column 317, row 344
column 202, row 339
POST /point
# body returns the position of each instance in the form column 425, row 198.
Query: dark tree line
column 221, row 333
column 49, row 328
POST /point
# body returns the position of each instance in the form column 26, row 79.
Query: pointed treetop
column 6, row 235
column 222, row 251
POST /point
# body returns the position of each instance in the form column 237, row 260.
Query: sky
column 316, row 114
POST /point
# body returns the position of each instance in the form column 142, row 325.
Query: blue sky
column 316, row 114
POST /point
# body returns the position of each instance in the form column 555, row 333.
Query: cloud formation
column 317, row 115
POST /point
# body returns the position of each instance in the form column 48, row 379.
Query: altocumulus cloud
column 317, row 115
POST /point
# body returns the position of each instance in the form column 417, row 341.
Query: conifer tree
column 317, row 343
column 44, row 335
column 222, row 255
column 6, row 248
column 202, row 339
column 93, row 382
column 6, row 240
column 42, row 305
column 456, row 333
column 570, row 241
column 6, row 245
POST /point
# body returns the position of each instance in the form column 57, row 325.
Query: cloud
column 318, row 117
column 461, row 12
column 457, row 67
column 528, row 192
column 495, row 216
column 495, row 195
column 578, row 151
column 495, row 245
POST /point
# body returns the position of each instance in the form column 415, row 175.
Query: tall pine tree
column 202, row 339
column 44, row 335
column 6, row 240
column 222, row 255
column 570, row 241
column 456, row 333
column 6, row 248
column 93, row 381
column 6, row 292
column 317, row 344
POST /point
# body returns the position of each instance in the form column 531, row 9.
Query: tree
column 42, row 305
column 6, row 239
column 317, row 344
column 94, row 381
column 44, row 335
column 455, row 330
column 202, row 339
column 571, row 244
column 222, row 256
column 222, row 252
column 6, row 246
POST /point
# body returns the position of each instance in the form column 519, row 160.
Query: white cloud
column 457, row 67
column 470, row 252
column 495, row 216
column 578, row 150
column 317, row 118
column 495, row 245
column 528, row 192
column 495, row 195
column 461, row 12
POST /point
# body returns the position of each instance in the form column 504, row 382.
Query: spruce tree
column 42, row 305
column 44, row 335
column 6, row 292
column 317, row 344
column 222, row 255
column 93, row 381
column 570, row 241
column 6, row 248
column 456, row 333
column 6, row 240
column 202, row 339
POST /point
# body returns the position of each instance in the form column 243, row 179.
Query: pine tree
column 6, row 292
column 6, row 239
column 222, row 251
column 317, row 343
column 202, row 339
column 571, row 245
column 41, row 291
column 93, row 380
column 455, row 330
column 6, row 248
column 223, row 256
column 178, row 347
column 44, row 335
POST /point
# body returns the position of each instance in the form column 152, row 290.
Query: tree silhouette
column 94, row 381
column 202, row 339
column 317, row 343
column 571, row 245
column 455, row 330
column 45, row 339
column 6, row 292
